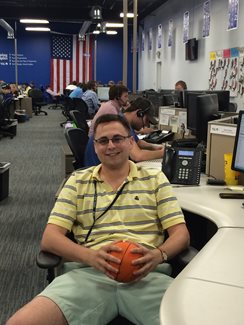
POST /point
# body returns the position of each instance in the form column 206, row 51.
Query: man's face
column 139, row 122
column 124, row 99
column 113, row 154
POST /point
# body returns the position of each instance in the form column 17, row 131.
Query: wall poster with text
column 206, row 19
column 233, row 14
column 170, row 35
column 186, row 27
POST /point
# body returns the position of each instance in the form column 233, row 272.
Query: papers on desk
column 154, row 163
column 235, row 188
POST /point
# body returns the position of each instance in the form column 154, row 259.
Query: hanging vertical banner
column 159, row 42
column 142, row 40
column 170, row 36
column 186, row 27
column 206, row 19
column 150, row 38
column 233, row 14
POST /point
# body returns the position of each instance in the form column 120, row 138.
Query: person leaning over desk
column 145, row 208
column 138, row 114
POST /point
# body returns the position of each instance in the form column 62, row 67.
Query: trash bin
column 4, row 180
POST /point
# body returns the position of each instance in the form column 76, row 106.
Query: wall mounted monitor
column 238, row 152
column 191, row 49
column 102, row 93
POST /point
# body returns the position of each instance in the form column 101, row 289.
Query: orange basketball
column 125, row 268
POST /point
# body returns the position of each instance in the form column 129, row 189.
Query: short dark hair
column 116, row 91
column 112, row 118
column 141, row 103
column 91, row 84
column 181, row 83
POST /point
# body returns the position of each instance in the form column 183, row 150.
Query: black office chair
column 53, row 102
column 79, row 120
column 81, row 105
column 8, row 126
column 67, row 107
column 52, row 263
column 77, row 140
column 37, row 100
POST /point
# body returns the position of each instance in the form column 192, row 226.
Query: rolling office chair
column 81, row 105
column 53, row 103
column 67, row 107
column 37, row 100
column 77, row 140
column 52, row 263
column 79, row 120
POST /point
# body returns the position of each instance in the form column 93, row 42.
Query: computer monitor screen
column 223, row 99
column 156, row 99
column 207, row 110
column 102, row 93
column 238, row 152
column 191, row 105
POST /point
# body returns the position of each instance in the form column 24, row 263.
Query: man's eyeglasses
column 116, row 139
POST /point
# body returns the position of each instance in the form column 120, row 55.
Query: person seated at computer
column 52, row 93
column 28, row 87
column 118, row 99
column 138, row 115
column 6, row 92
column 91, row 99
column 78, row 91
column 145, row 209
column 180, row 85
column 111, row 83
column 72, row 85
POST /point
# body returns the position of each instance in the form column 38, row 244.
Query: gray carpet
column 35, row 175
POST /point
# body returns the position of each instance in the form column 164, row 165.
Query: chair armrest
column 181, row 260
column 46, row 260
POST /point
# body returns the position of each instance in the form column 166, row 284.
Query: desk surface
column 210, row 290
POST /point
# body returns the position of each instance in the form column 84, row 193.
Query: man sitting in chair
column 145, row 208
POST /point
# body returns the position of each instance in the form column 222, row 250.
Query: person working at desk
column 180, row 85
column 138, row 114
column 118, row 98
column 89, row 294
column 91, row 99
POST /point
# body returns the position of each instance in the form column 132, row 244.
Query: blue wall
column 34, row 55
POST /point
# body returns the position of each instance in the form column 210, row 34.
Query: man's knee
column 40, row 310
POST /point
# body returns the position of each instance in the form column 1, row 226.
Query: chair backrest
column 79, row 120
column 35, row 93
column 77, row 140
column 81, row 105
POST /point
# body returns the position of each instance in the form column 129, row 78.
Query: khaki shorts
column 88, row 297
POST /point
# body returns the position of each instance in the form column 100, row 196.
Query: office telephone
column 159, row 136
column 182, row 165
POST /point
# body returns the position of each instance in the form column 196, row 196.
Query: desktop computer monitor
column 102, row 93
column 191, row 106
column 238, row 152
column 207, row 110
column 223, row 99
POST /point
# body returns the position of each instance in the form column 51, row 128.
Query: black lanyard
column 95, row 207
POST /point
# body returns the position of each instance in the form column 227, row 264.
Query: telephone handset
column 182, row 165
column 159, row 136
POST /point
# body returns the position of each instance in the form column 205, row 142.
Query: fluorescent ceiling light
column 112, row 25
column 34, row 21
column 37, row 29
column 129, row 15
column 96, row 32
column 111, row 32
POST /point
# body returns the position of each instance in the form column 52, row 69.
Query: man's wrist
column 164, row 255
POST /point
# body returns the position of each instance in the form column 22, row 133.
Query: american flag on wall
column 71, row 59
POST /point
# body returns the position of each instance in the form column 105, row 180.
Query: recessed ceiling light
column 111, row 32
column 129, row 15
column 112, row 25
column 96, row 32
column 37, row 29
column 34, row 21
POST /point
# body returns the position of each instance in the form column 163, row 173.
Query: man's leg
column 40, row 311
column 140, row 301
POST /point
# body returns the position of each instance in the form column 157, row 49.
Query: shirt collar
column 133, row 173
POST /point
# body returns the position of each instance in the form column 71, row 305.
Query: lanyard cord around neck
column 95, row 207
